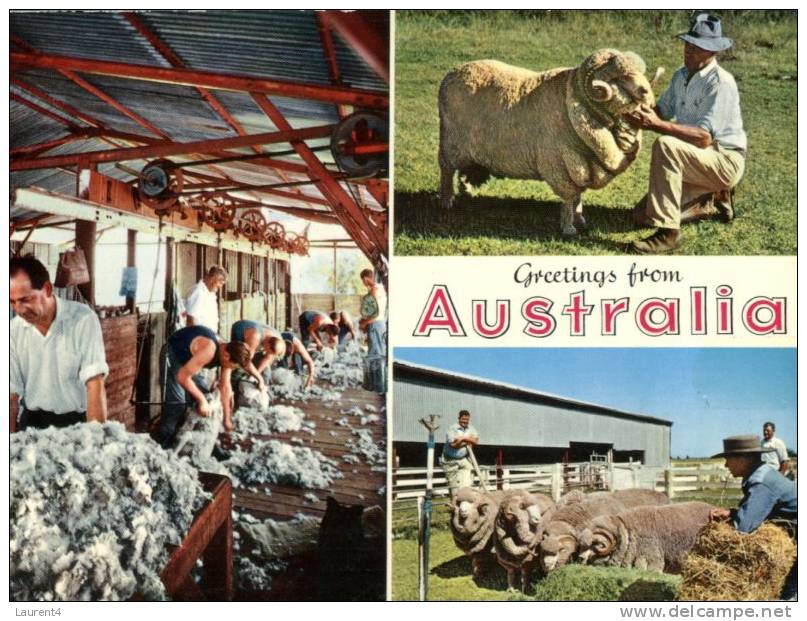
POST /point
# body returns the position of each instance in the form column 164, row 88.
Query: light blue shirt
column 766, row 494
column 454, row 432
column 710, row 101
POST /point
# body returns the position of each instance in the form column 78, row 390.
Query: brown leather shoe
column 702, row 208
column 663, row 240
column 724, row 204
column 640, row 220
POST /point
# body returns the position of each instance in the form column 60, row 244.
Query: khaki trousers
column 459, row 474
column 681, row 172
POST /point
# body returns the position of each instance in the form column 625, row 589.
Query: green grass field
column 508, row 217
column 450, row 579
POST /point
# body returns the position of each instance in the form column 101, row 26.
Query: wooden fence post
column 669, row 483
column 557, row 482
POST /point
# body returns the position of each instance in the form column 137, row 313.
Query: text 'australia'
column 703, row 312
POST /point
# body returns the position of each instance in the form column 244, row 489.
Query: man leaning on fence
column 456, row 460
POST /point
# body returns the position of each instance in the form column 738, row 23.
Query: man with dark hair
column 57, row 362
column 767, row 495
column 777, row 457
column 344, row 322
column 456, row 459
column 312, row 323
column 188, row 351
column 282, row 348
column 700, row 155
column 201, row 305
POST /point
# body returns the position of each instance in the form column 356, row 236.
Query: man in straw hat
column 700, row 156
column 767, row 495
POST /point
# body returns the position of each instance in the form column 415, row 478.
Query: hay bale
column 726, row 565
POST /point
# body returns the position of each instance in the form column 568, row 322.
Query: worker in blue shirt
column 767, row 494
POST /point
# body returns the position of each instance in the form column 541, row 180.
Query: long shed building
column 519, row 425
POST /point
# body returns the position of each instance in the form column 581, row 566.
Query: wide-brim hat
column 743, row 445
column 706, row 32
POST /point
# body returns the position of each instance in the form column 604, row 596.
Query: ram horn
column 656, row 76
column 601, row 91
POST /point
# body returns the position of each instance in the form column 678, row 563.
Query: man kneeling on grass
column 700, row 156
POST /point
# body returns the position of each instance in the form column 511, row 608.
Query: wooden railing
column 709, row 477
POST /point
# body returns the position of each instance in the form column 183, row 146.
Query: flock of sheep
column 627, row 528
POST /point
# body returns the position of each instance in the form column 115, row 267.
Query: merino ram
column 654, row 538
column 565, row 126
column 518, row 533
column 565, row 527
column 473, row 514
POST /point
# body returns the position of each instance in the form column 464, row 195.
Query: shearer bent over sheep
column 701, row 156
column 564, row 126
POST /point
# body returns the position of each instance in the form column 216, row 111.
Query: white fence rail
column 557, row 479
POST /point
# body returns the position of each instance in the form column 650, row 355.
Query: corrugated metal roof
column 408, row 369
column 274, row 44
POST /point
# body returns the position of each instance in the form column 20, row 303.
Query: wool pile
column 92, row 509
column 279, row 463
column 342, row 369
column 265, row 421
column 726, row 565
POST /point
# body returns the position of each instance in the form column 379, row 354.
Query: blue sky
column 707, row 393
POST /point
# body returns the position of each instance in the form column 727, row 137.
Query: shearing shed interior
column 519, row 426
column 161, row 144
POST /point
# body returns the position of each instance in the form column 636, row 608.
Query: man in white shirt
column 57, row 362
column 778, row 457
column 202, row 305
column 700, row 156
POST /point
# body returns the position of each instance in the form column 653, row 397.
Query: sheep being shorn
column 565, row 126
column 655, row 538
column 473, row 513
column 518, row 530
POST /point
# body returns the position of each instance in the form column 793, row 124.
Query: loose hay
column 726, row 565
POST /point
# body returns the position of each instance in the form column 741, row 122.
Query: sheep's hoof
column 569, row 231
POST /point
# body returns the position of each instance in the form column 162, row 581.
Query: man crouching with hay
column 767, row 495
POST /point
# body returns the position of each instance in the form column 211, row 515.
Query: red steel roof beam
column 351, row 216
column 94, row 90
column 330, row 59
column 173, row 148
column 365, row 40
column 44, row 111
column 56, row 103
column 42, row 147
column 206, row 79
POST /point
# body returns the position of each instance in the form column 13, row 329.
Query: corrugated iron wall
column 503, row 421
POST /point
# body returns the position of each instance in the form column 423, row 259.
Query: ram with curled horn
column 473, row 513
column 518, row 533
column 565, row 527
column 564, row 126
column 653, row 538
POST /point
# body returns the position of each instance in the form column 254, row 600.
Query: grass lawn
column 450, row 578
column 510, row 217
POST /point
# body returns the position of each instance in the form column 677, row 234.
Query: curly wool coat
column 564, row 126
